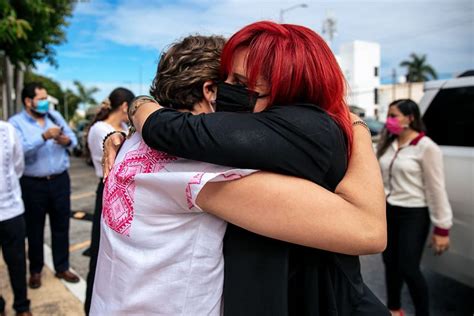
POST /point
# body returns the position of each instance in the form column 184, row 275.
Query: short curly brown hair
column 183, row 69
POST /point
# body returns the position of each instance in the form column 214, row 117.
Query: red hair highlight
column 298, row 65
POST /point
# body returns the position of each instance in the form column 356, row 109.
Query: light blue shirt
column 42, row 158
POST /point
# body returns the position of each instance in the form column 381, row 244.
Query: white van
column 448, row 112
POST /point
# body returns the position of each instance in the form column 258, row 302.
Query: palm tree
column 85, row 94
column 417, row 69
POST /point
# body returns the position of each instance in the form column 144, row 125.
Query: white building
column 360, row 63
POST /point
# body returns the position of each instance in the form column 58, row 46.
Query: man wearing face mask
column 45, row 184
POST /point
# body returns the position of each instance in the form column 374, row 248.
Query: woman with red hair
column 300, row 126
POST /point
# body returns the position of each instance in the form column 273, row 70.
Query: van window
column 449, row 119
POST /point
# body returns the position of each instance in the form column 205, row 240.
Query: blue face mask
column 42, row 107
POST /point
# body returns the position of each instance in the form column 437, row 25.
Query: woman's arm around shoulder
column 352, row 221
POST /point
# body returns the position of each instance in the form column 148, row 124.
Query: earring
column 212, row 105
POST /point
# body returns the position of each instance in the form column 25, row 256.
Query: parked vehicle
column 80, row 130
column 375, row 126
column 448, row 112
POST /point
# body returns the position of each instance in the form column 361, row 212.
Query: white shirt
column 95, row 137
column 12, row 165
column 413, row 176
column 159, row 253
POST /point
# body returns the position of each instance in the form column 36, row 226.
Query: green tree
column 29, row 30
column 11, row 28
column 417, row 69
column 34, row 28
column 86, row 94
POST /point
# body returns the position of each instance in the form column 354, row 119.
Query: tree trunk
column 3, row 87
column 19, row 82
column 9, row 87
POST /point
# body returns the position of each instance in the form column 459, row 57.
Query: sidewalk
column 54, row 298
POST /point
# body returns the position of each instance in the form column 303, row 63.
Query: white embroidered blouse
column 159, row 252
column 12, row 164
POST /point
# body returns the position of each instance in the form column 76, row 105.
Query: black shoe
column 87, row 252
column 35, row 280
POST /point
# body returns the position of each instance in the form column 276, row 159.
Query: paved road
column 447, row 296
column 83, row 186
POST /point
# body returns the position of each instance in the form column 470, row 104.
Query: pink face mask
column 393, row 126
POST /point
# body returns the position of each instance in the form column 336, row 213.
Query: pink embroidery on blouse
column 120, row 186
column 196, row 180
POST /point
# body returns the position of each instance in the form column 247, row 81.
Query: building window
column 376, row 71
column 376, row 96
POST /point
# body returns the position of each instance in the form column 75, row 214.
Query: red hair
column 298, row 65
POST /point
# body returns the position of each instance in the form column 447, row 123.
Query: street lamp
column 282, row 11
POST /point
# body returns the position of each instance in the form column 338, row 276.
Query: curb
column 77, row 289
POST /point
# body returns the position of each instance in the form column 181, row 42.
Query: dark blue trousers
column 53, row 197
column 12, row 241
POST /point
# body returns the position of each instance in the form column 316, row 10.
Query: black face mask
column 233, row 98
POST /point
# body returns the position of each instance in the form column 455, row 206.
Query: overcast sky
column 117, row 43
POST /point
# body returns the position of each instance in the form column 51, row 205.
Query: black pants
column 407, row 232
column 51, row 197
column 95, row 241
column 12, row 241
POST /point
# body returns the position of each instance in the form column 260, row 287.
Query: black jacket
column 264, row 276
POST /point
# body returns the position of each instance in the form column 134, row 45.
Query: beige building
column 391, row 92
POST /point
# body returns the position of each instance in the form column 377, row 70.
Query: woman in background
column 112, row 116
column 413, row 175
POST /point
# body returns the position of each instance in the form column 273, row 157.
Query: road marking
column 82, row 195
column 79, row 246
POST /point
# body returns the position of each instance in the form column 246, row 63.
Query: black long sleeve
column 264, row 276
column 296, row 140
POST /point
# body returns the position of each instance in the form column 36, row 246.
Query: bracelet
column 361, row 123
column 136, row 103
column 110, row 134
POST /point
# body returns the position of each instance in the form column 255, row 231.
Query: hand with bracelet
column 114, row 140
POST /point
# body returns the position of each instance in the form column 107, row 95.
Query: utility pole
column 66, row 116
column 330, row 29
column 282, row 11
column 140, row 78
column 394, row 82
